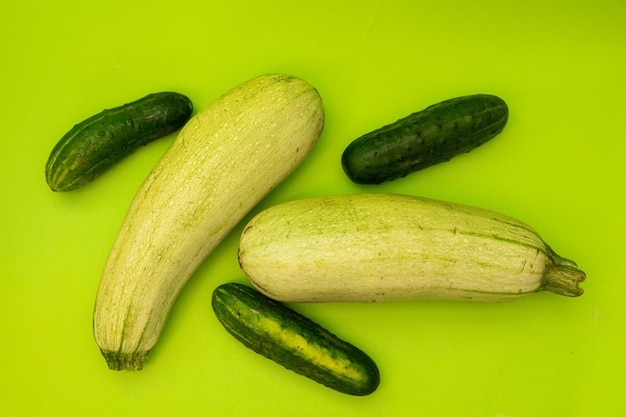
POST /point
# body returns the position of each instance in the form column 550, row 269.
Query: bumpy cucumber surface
column 293, row 341
column 96, row 144
column 392, row 247
column 424, row 138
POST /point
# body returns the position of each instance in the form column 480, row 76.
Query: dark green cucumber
column 425, row 138
column 275, row 331
column 98, row 143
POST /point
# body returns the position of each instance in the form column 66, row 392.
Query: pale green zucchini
column 222, row 163
column 391, row 247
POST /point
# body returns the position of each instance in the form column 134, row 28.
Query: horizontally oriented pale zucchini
column 424, row 138
column 222, row 163
column 388, row 247
column 96, row 144
column 293, row 341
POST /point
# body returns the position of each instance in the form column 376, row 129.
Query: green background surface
column 559, row 165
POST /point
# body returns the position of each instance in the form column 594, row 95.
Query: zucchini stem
column 562, row 276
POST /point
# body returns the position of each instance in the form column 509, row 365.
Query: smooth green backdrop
column 559, row 165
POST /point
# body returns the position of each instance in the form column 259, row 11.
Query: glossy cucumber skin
column 425, row 138
column 96, row 144
column 275, row 331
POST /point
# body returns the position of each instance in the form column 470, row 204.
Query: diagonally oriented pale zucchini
column 222, row 163
column 391, row 247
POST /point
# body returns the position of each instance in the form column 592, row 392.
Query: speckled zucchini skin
column 96, row 144
column 381, row 247
column 275, row 331
column 223, row 162
column 425, row 138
